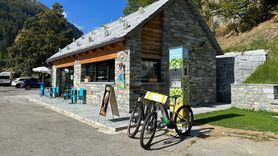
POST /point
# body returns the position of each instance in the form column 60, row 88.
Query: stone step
column 274, row 105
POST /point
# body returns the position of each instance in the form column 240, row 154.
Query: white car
column 5, row 78
column 18, row 82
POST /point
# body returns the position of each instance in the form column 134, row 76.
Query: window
column 151, row 70
column 5, row 77
column 99, row 72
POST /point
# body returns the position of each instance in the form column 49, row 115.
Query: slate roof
column 111, row 32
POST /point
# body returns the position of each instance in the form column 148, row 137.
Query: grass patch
column 264, row 36
column 268, row 72
column 240, row 119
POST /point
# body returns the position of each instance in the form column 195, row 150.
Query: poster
column 105, row 100
column 121, row 77
column 109, row 97
column 178, row 71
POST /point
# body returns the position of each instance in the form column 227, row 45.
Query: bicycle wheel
column 183, row 120
column 134, row 121
column 148, row 130
column 147, row 109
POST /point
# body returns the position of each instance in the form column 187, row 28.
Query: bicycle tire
column 152, row 117
column 188, row 119
column 138, row 122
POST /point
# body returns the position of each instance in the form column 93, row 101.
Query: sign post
column 178, row 71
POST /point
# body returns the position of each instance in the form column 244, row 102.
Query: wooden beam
column 63, row 65
column 99, row 58
column 95, row 55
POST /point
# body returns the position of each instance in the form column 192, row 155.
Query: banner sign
column 178, row 71
column 156, row 97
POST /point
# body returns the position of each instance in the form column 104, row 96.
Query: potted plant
column 87, row 79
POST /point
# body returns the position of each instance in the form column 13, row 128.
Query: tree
column 41, row 36
column 133, row 5
column 12, row 17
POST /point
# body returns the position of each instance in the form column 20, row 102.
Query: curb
column 74, row 116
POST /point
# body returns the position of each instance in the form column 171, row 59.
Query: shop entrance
column 66, row 78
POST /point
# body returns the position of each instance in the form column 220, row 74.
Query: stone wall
column 55, row 76
column 255, row 96
column 182, row 28
column 236, row 67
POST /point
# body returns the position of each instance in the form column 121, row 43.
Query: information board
column 178, row 71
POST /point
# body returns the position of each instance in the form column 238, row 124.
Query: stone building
column 132, row 54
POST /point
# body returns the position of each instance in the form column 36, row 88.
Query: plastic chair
column 73, row 96
column 52, row 92
column 66, row 95
column 82, row 95
column 57, row 92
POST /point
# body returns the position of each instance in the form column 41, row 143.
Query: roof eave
column 86, row 49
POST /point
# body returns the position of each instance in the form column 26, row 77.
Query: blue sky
column 89, row 14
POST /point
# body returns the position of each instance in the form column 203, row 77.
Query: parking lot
column 29, row 129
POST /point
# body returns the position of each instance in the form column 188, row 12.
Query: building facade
column 132, row 53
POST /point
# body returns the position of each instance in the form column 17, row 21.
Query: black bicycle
column 180, row 120
column 141, row 109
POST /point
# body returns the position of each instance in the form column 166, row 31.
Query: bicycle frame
column 167, row 116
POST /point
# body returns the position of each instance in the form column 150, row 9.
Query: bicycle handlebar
column 140, row 92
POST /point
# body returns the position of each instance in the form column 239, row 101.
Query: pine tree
column 41, row 36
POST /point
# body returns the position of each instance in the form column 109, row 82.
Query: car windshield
column 4, row 77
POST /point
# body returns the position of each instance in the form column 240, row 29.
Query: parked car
column 30, row 83
column 5, row 78
column 18, row 82
column 33, row 83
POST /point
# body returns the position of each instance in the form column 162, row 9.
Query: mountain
column 13, row 14
column 225, row 17
column 263, row 36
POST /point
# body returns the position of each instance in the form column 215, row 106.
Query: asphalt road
column 29, row 129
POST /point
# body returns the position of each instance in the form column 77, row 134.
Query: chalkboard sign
column 109, row 97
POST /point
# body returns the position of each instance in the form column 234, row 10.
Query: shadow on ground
column 174, row 140
column 215, row 118
column 198, row 132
